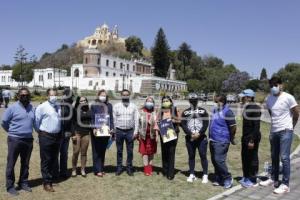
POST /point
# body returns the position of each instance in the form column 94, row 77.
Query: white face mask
column 275, row 90
column 53, row 99
column 102, row 98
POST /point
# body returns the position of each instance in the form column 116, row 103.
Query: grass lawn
column 125, row 187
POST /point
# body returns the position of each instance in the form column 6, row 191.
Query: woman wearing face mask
column 148, row 135
column 169, row 111
column 82, row 129
column 99, row 144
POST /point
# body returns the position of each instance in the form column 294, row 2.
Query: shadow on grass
column 109, row 169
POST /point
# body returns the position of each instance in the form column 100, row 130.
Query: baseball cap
column 247, row 93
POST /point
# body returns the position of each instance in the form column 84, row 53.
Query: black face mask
column 125, row 99
column 194, row 103
column 25, row 99
column 85, row 108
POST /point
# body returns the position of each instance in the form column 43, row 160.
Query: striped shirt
column 126, row 117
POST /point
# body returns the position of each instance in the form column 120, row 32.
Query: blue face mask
column 275, row 90
column 149, row 105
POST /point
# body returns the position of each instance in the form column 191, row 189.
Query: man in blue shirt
column 48, row 126
column 18, row 122
column 6, row 96
column 221, row 133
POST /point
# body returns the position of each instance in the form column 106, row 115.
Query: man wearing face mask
column 284, row 112
column 250, row 138
column 48, row 126
column 222, row 131
column 66, row 126
column 126, row 121
column 194, row 123
column 18, row 122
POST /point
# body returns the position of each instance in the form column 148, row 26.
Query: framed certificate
column 102, row 125
column 167, row 130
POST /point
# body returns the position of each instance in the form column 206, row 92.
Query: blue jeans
column 127, row 136
column 280, row 150
column 219, row 152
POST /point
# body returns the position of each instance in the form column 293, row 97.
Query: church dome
column 104, row 26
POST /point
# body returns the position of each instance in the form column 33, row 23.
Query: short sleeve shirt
column 280, row 107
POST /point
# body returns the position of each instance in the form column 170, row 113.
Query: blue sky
column 250, row 34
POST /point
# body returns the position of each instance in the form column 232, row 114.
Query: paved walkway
column 266, row 193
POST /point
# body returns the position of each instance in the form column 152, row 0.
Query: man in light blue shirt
column 6, row 96
column 48, row 126
column 18, row 121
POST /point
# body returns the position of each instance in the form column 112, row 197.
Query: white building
column 100, row 71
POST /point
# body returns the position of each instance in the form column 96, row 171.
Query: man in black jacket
column 250, row 138
column 66, row 130
column 194, row 123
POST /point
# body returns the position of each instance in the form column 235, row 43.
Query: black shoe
column 63, row 176
column 118, row 172
column 170, row 177
column 12, row 191
column 130, row 172
column 25, row 188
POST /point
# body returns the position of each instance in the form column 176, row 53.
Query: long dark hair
column 78, row 101
column 173, row 108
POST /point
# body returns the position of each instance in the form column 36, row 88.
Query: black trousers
column 200, row 145
column 250, row 160
column 16, row 147
column 6, row 101
column 168, row 157
column 99, row 145
column 49, row 149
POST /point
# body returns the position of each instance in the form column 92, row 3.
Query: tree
column 194, row 85
column 5, row 67
column 134, row 45
column 263, row 74
column 20, row 58
column 253, row 84
column 236, row 82
column 213, row 62
column 25, row 70
column 185, row 55
column 160, row 54
column 290, row 75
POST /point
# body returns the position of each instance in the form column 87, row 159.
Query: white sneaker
column 191, row 178
column 266, row 183
column 282, row 189
column 204, row 179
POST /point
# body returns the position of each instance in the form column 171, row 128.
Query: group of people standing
column 58, row 122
